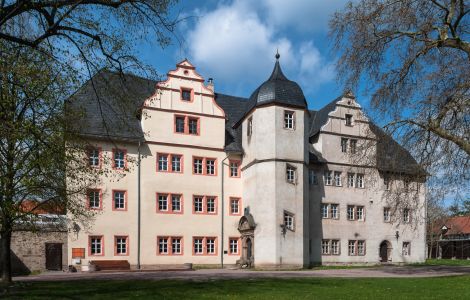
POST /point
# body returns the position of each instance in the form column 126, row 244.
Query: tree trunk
column 5, row 258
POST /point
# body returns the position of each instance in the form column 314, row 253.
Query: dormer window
column 186, row 94
column 349, row 120
column 289, row 119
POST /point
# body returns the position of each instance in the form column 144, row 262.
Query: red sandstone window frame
column 238, row 163
column 237, row 239
column 170, row 245
column 204, row 205
column 239, row 200
column 204, row 165
column 204, row 246
column 191, row 94
column 186, row 124
column 126, row 237
column 169, row 203
column 100, row 199
column 114, row 200
column 100, row 160
column 169, row 161
column 124, row 157
column 101, row 238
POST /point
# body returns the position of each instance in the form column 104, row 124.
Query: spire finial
column 277, row 54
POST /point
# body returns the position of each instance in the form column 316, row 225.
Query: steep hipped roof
column 454, row 225
column 108, row 106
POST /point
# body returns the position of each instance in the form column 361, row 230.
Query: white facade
column 278, row 222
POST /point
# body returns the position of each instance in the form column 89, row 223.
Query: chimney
column 210, row 83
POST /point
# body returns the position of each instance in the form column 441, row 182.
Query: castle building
column 207, row 178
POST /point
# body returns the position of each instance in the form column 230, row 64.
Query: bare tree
column 414, row 57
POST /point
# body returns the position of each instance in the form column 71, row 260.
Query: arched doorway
column 246, row 227
column 385, row 250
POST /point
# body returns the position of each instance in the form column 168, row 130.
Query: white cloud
column 235, row 45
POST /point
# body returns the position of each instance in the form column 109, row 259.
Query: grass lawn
column 444, row 262
column 306, row 288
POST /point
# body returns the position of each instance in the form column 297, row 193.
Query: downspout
column 222, row 215
column 138, row 206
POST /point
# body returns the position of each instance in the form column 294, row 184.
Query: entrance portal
column 385, row 251
column 246, row 227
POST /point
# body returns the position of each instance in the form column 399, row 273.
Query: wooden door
column 53, row 256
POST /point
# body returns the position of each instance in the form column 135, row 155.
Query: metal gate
column 54, row 256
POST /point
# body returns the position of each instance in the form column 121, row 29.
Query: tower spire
column 277, row 54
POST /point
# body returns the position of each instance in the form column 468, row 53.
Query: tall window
column 198, row 245
column 234, row 206
column 210, row 166
column 186, row 94
column 386, row 182
column 210, row 205
column 328, row 177
column 233, row 245
column 337, row 178
column 176, row 203
column 204, row 166
column 344, row 145
column 387, row 215
column 193, row 125
column 176, row 245
column 406, row 249
column 361, row 248
column 325, row 247
column 119, row 159
column 348, row 120
column 290, row 174
column 335, row 248
column 176, row 163
column 162, row 162
column 210, row 245
column 289, row 220
column 234, row 170
column 94, row 157
column 312, row 177
column 249, row 127
column 351, row 180
column 198, row 204
column 350, row 212
column 179, row 124
column 334, row 211
column 119, row 198
column 406, row 215
column 198, row 165
column 353, row 146
column 170, row 245
column 163, row 245
column 205, row 205
column 289, row 121
column 162, row 202
column 325, row 212
column 96, row 245
column 121, row 246
column 360, row 181
column 94, row 199
column 352, row 248
column 360, row 213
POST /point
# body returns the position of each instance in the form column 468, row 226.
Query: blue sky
column 235, row 41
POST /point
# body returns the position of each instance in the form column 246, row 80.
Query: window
column 290, row 174
column 360, row 213
column 233, row 246
column 169, row 203
column 169, row 245
column 96, row 245
column 204, row 166
column 94, row 157
column 187, row 125
column 360, row 181
column 94, row 199
column 338, row 178
column 406, row 249
column 193, row 126
column 334, row 211
column 179, row 124
column 350, row 211
column 289, row 121
column 328, row 177
column 325, row 214
column 361, row 248
column 312, row 177
column 169, row 162
column 119, row 159
column 234, row 168
column 387, row 183
column 205, row 205
column 335, row 248
column 121, row 245
column 235, row 206
column 348, row 120
column 387, row 215
column 351, row 180
column 406, row 215
column 356, row 247
column 186, row 94
column 210, row 166
column 119, row 199
column 325, row 247
column 249, row 127
column 344, row 145
column 204, row 245
column 289, row 220
column 352, row 248
column 353, row 146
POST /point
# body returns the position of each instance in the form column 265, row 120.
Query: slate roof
column 319, row 118
column 108, row 106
